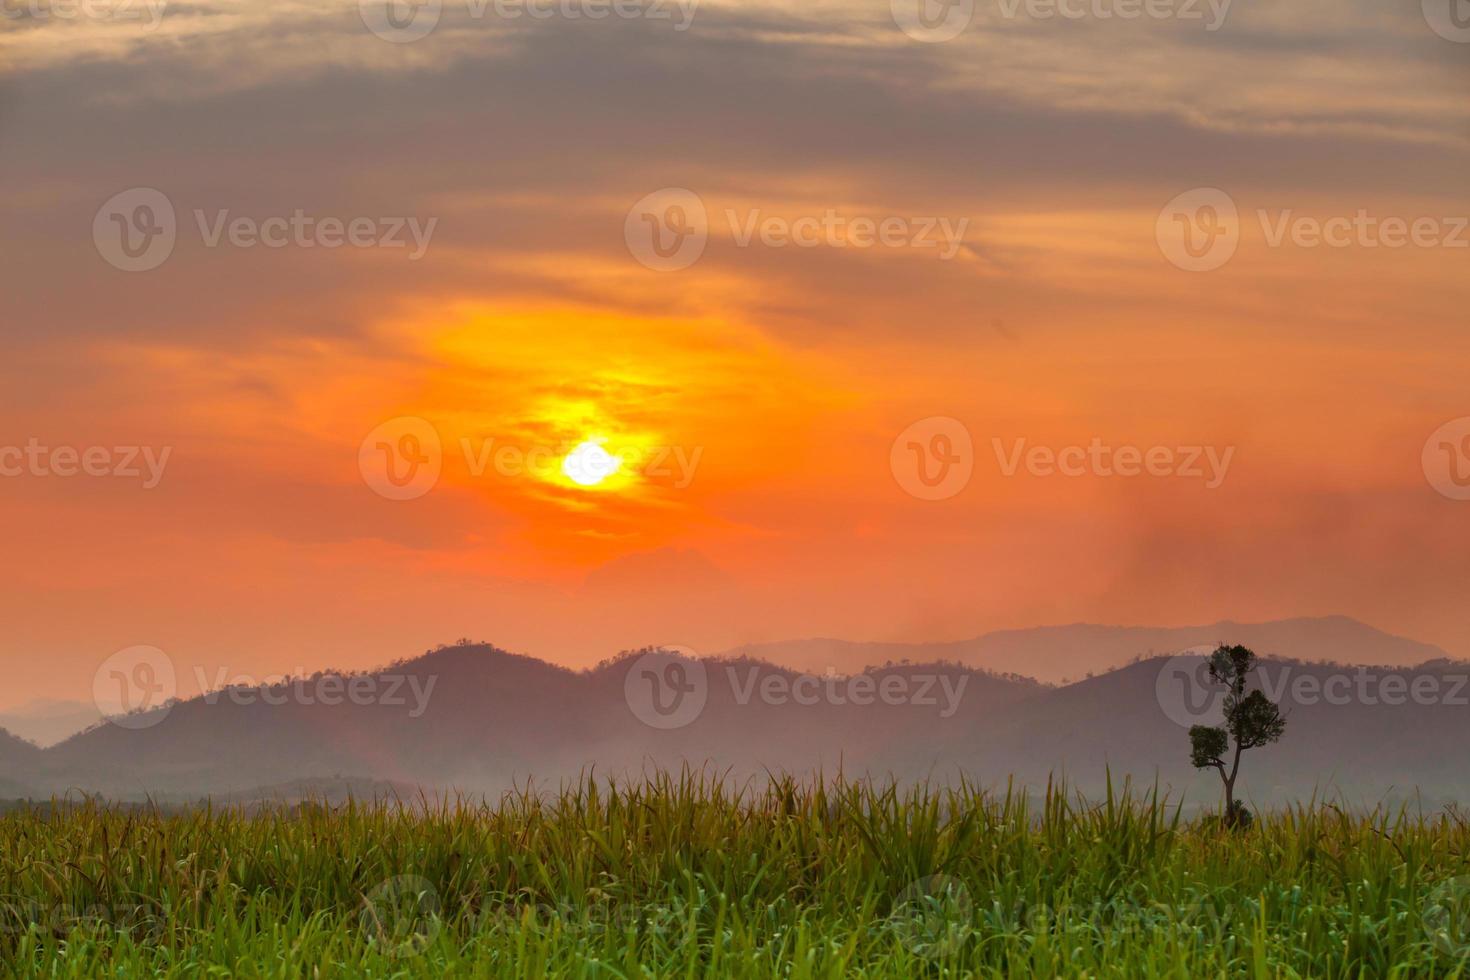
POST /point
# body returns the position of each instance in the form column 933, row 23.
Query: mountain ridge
column 1061, row 653
column 480, row 718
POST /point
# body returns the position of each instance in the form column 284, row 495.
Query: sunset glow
column 804, row 291
column 735, row 488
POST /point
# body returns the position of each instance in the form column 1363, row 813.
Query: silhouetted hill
column 491, row 718
column 15, row 751
column 422, row 719
column 1355, row 731
column 478, row 719
column 17, row 756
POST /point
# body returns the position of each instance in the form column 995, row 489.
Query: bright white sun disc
column 589, row 464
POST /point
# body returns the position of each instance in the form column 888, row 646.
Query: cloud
column 1059, row 141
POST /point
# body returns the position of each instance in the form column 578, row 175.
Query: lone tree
column 1251, row 720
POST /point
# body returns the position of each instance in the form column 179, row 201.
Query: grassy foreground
column 683, row 877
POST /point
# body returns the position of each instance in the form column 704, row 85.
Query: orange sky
column 756, row 395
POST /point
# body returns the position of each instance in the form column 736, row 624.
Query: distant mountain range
column 1055, row 654
column 477, row 719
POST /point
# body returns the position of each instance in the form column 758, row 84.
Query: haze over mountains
column 477, row 719
column 1054, row 654
column 48, row 721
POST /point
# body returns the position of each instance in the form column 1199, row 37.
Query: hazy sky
column 894, row 228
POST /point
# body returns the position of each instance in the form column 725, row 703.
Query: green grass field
column 682, row 877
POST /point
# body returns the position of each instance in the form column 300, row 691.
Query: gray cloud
column 531, row 141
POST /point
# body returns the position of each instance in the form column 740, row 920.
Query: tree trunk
column 1230, row 785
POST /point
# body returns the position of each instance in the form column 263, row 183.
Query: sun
column 589, row 464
